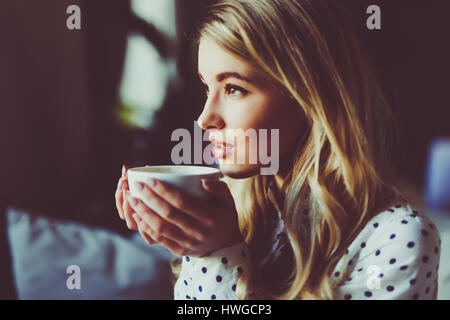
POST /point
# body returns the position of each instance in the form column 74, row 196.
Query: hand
column 125, row 211
column 184, row 224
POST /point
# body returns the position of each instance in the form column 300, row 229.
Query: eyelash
column 228, row 89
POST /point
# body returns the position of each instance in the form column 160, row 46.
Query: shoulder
column 400, row 226
column 401, row 248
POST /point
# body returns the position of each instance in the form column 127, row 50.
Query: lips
column 221, row 149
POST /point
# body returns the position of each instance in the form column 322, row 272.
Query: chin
column 239, row 171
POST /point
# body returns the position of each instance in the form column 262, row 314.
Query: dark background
column 62, row 148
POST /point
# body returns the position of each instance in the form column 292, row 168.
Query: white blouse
column 395, row 256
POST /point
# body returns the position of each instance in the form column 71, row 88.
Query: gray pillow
column 110, row 266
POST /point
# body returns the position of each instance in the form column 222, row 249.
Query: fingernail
column 123, row 170
column 151, row 182
column 139, row 185
column 136, row 218
column 120, row 184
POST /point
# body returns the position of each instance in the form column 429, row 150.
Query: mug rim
column 203, row 170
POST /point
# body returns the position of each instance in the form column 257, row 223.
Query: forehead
column 212, row 60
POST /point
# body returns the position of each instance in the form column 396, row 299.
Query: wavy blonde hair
column 337, row 180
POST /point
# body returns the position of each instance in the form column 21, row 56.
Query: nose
column 210, row 118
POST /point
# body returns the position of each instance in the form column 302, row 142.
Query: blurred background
column 78, row 104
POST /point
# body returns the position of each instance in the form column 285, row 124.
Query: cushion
column 47, row 253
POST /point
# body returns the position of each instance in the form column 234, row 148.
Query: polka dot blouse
column 395, row 256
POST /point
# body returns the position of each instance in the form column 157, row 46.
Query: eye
column 233, row 90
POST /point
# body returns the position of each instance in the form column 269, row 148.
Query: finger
column 124, row 171
column 196, row 208
column 160, row 227
column 172, row 214
column 119, row 184
column 220, row 191
column 128, row 211
column 119, row 203
column 172, row 245
column 142, row 227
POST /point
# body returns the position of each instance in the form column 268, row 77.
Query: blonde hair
column 337, row 179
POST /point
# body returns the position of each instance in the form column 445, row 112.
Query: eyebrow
column 229, row 74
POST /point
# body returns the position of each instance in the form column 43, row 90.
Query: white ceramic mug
column 186, row 178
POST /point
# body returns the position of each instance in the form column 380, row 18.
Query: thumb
column 219, row 189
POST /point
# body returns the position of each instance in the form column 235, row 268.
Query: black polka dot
column 403, row 267
column 436, row 250
column 380, row 275
column 415, row 296
column 360, row 269
column 204, row 269
column 425, row 233
column 392, row 261
column 349, row 279
column 412, row 282
column 398, row 206
column 427, row 290
column 185, row 282
column 368, row 294
column 233, row 287
column 391, row 210
column 347, row 296
column 188, row 297
column 377, row 253
column 363, row 245
column 240, row 270
column 346, row 251
column 188, row 259
column 224, row 260
column 219, row 279
column 428, row 274
column 392, row 236
column 213, row 297
column 390, row 288
column 350, row 262
column 404, row 221
column 375, row 225
column 410, row 244
column 337, row 273
column 194, row 298
column 200, row 288
column 425, row 258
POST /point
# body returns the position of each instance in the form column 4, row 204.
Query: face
column 240, row 101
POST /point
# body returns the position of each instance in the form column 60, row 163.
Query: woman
column 328, row 224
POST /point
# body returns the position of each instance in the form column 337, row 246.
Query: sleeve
column 214, row 276
column 399, row 262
